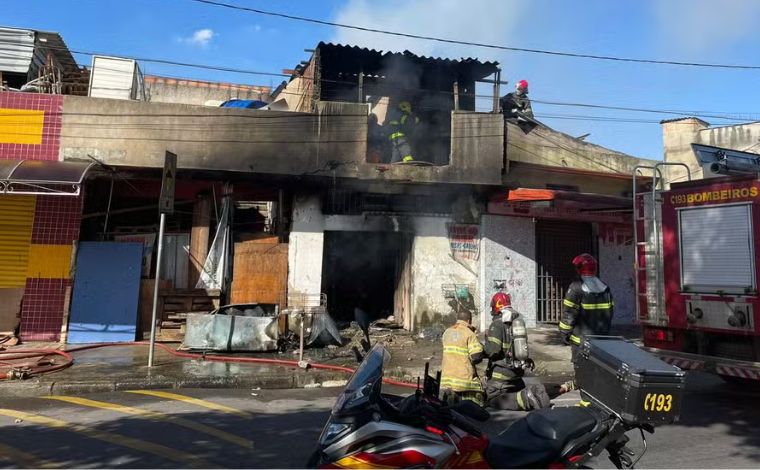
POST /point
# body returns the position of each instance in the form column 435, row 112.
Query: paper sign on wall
column 464, row 240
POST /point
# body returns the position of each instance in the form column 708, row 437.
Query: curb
column 312, row 378
column 298, row 379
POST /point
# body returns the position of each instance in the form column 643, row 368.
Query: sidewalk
column 125, row 367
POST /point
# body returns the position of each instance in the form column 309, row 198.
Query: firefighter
column 517, row 101
column 588, row 307
column 403, row 122
column 505, row 388
column 461, row 353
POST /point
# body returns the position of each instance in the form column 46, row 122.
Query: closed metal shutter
column 717, row 252
column 16, row 220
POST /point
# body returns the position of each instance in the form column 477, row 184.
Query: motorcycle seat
column 538, row 439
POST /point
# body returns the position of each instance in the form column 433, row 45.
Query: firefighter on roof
column 588, row 307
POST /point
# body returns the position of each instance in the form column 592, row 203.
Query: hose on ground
column 29, row 371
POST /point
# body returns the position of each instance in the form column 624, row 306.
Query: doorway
column 364, row 269
column 557, row 243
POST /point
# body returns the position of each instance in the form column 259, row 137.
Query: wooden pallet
column 176, row 304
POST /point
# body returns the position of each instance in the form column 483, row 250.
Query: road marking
column 25, row 459
column 185, row 423
column 194, row 401
column 110, row 437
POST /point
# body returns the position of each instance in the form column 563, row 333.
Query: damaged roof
column 339, row 58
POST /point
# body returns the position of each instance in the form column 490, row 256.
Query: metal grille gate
column 557, row 243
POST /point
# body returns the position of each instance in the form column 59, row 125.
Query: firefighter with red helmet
column 506, row 348
column 588, row 306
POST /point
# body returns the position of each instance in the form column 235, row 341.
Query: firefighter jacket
column 588, row 309
column 512, row 102
column 461, row 351
column 402, row 124
column 498, row 349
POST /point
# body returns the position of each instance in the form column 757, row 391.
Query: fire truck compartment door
column 717, row 249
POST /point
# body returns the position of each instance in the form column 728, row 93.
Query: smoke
column 489, row 21
column 699, row 26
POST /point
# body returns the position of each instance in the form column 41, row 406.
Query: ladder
column 648, row 246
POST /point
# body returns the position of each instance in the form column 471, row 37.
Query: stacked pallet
column 176, row 304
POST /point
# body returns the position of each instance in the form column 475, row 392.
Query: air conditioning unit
column 116, row 78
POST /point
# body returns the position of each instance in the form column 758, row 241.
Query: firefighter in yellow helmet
column 461, row 352
column 402, row 123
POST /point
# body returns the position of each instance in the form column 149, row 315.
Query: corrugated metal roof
column 16, row 49
column 371, row 61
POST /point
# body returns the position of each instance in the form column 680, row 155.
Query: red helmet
column 522, row 84
column 499, row 301
column 585, row 264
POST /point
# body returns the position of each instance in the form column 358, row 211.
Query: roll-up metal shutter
column 717, row 252
column 16, row 221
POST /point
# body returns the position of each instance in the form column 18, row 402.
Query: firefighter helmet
column 499, row 301
column 585, row 264
column 405, row 107
column 523, row 84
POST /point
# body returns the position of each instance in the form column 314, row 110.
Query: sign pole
column 155, row 289
column 165, row 206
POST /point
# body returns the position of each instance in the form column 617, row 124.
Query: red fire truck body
column 698, row 270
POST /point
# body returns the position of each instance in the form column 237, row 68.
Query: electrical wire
column 474, row 44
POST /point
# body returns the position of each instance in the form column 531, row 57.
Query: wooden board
column 10, row 308
column 146, row 304
column 260, row 273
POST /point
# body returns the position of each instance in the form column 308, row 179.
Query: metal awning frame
column 40, row 187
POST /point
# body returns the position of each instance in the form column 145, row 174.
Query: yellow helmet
column 405, row 106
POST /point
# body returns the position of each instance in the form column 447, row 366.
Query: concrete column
column 199, row 237
column 677, row 137
column 306, row 247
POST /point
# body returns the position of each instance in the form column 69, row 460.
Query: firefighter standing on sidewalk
column 461, row 352
column 588, row 307
column 506, row 389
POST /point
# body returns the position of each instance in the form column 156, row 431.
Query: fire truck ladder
column 648, row 247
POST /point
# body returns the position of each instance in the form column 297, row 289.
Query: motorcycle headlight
column 333, row 431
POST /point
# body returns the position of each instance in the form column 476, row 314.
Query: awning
column 568, row 198
column 36, row 177
column 561, row 205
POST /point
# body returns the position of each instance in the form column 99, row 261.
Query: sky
column 682, row 30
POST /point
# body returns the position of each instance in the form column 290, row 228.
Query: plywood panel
column 260, row 273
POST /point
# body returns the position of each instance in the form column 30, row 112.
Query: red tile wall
column 57, row 220
column 51, row 131
column 42, row 309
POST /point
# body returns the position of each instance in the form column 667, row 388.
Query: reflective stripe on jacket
column 586, row 313
column 461, row 351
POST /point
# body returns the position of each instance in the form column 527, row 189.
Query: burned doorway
column 557, row 243
column 364, row 269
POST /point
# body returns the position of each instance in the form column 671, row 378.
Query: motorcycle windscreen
column 365, row 383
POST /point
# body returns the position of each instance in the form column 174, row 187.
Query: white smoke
column 485, row 21
column 695, row 27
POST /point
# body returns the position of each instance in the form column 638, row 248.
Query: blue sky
column 687, row 30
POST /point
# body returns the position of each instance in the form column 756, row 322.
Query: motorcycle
column 371, row 429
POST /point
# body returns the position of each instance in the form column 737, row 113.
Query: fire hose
column 24, row 371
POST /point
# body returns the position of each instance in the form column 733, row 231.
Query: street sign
column 168, row 182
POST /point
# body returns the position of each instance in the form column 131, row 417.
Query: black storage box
column 618, row 375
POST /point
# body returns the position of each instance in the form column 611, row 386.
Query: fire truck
column 697, row 264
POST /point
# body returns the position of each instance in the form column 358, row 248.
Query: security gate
column 557, row 243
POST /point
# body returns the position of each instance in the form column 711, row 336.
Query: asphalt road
column 720, row 427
